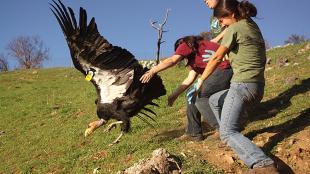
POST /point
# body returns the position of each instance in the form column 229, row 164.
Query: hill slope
column 44, row 114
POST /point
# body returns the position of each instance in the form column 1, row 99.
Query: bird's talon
column 114, row 142
column 91, row 128
column 109, row 128
column 88, row 131
column 92, row 124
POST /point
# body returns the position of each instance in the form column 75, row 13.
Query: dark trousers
column 218, row 81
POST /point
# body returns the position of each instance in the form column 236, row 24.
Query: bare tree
column 295, row 39
column 4, row 65
column 160, row 30
column 29, row 51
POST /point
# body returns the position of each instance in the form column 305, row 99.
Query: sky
column 127, row 23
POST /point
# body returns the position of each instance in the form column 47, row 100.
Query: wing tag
column 88, row 77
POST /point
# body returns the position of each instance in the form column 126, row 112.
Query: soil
column 295, row 152
column 292, row 154
column 289, row 148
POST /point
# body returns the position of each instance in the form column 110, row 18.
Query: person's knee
column 213, row 101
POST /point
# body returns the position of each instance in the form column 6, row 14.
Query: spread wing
column 115, row 71
column 87, row 47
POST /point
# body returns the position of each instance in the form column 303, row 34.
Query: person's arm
column 212, row 64
column 167, row 63
column 187, row 82
column 218, row 37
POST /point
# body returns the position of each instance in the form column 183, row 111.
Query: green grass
column 44, row 114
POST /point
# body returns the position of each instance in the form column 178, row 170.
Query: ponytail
column 242, row 10
column 246, row 10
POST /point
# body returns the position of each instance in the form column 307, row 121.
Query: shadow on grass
column 176, row 133
column 272, row 107
column 284, row 130
column 170, row 134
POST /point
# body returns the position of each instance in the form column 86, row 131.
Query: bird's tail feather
column 148, row 116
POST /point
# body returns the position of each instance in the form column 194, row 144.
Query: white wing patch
column 108, row 90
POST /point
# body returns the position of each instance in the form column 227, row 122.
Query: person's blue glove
column 208, row 54
column 191, row 93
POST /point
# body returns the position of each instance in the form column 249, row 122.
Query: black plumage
column 114, row 71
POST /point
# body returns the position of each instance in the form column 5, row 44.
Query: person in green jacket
column 244, row 44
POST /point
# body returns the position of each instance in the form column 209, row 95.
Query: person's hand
column 146, row 77
column 208, row 54
column 213, row 40
column 199, row 84
column 171, row 99
column 191, row 93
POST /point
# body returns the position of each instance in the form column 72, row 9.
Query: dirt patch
column 216, row 153
column 295, row 151
column 292, row 155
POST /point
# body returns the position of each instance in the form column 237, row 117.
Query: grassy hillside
column 44, row 114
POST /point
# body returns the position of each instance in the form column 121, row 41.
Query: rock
column 300, row 150
column 96, row 170
column 264, row 138
column 161, row 162
column 301, row 51
column 292, row 141
column 148, row 63
column 2, row 133
column 290, row 80
column 279, row 149
column 282, row 62
column 229, row 159
column 305, row 49
column 268, row 61
column 183, row 154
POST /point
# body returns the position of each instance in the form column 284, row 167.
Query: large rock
column 161, row 162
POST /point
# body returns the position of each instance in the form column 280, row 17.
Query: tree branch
column 160, row 31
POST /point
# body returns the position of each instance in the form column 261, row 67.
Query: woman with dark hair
column 193, row 48
column 244, row 44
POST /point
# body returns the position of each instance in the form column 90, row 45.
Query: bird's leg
column 112, row 125
column 117, row 139
column 93, row 126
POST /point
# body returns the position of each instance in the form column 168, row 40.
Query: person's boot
column 271, row 169
column 186, row 137
column 215, row 135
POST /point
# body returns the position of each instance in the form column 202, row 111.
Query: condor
column 113, row 71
